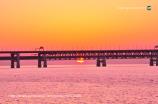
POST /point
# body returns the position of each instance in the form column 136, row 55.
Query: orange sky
column 78, row 24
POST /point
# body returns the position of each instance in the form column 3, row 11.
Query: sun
column 80, row 60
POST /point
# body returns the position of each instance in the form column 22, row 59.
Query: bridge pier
column 98, row 63
column 15, row 58
column 101, row 62
column 42, row 60
column 151, row 62
column 154, row 62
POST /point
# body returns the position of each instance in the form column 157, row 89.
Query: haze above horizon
column 90, row 24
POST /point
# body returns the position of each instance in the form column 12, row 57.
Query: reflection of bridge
column 99, row 55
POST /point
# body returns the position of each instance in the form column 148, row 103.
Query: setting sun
column 81, row 60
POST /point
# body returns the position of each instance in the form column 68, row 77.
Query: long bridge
column 101, row 56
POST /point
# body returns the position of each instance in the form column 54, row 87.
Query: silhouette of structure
column 41, row 48
column 101, row 56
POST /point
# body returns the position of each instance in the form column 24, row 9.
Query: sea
column 79, row 84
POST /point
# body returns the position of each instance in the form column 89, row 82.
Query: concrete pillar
column 104, row 62
column 45, row 64
column 39, row 61
column 151, row 62
column 12, row 60
column 98, row 63
column 15, row 58
column 101, row 62
column 45, row 61
column 42, row 60
column 156, row 61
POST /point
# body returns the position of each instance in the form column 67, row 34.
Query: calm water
column 79, row 84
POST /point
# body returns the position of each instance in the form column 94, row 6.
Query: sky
column 78, row 24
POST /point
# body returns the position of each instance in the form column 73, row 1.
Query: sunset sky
column 78, row 24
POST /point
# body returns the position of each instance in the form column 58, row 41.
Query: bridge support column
column 42, row 60
column 12, row 61
column 104, row 63
column 39, row 63
column 156, row 61
column 98, row 63
column 15, row 58
column 18, row 60
column 151, row 62
column 101, row 62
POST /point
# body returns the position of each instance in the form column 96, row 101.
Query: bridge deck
column 99, row 55
column 84, row 51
